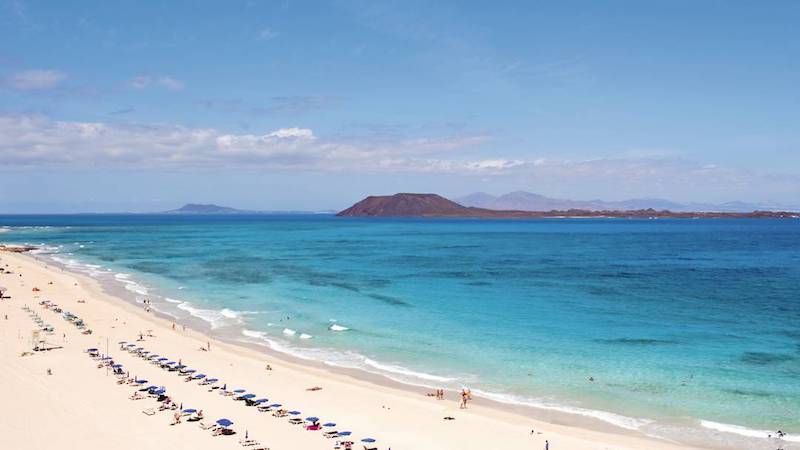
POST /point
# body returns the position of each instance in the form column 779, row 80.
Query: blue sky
column 110, row 106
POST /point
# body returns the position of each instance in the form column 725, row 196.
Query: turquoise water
column 677, row 321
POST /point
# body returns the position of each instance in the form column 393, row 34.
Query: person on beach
column 173, row 326
column 463, row 404
column 546, row 444
column 208, row 345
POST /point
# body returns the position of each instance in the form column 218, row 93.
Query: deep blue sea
column 687, row 327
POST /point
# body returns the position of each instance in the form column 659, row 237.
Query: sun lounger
column 149, row 411
column 207, row 426
column 295, row 421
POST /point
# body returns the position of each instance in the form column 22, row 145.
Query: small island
column 434, row 205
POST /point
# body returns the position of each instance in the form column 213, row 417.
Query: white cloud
column 35, row 141
column 303, row 133
column 170, row 83
column 146, row 81
column 35, row 80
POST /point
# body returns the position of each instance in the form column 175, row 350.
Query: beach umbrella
column 239, row 391
column 159, row 391
column 151, row 387
column 169, row 363
column 294, row 413
column 212, row 380
column 329, row 424
column 189, row 411
column 163, row 359
column 260, row 401
column 189, row 371
column 312, row 419
column 122, row 342
column 106, row 358
column 180, row 366
column 249, row 396
column 224, row 422
column 199, row 375
column 141, row 381
column 368, row 440
column 275, row 405
column 91, row 349
column 117, row 366
column 344, row 433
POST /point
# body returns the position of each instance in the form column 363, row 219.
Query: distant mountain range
column 526, row 201
column 196, row 208
column 433, row 205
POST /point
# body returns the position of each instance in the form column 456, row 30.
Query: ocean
column 684, row 329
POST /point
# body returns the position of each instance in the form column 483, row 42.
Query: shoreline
column 559, row 429
column 202, row 327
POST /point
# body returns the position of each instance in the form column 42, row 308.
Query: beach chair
column 331, row 434
column 149, row 411
column 295, row 421
column 207, row 426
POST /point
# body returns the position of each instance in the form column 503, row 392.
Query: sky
column 143, row 106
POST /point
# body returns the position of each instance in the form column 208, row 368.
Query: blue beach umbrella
column 189, row 371
column 169, row 363
column 344, row 433
column 91, row 349
column 224, row 422
column 162, row 359
column 239, row 391
column 312, row 419
column 275, row 405
column 117, row 366
column 212, row 380
column 141, row 381
column 159, row 391
column 180, row 366
column 368, row 440
column 260, row 401
column 199, row 375
column 151, row 387
column 329, row 424
column 249, row 396
column 294, row 413
column 189, row 411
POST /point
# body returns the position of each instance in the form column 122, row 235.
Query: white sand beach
column 81, row 406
